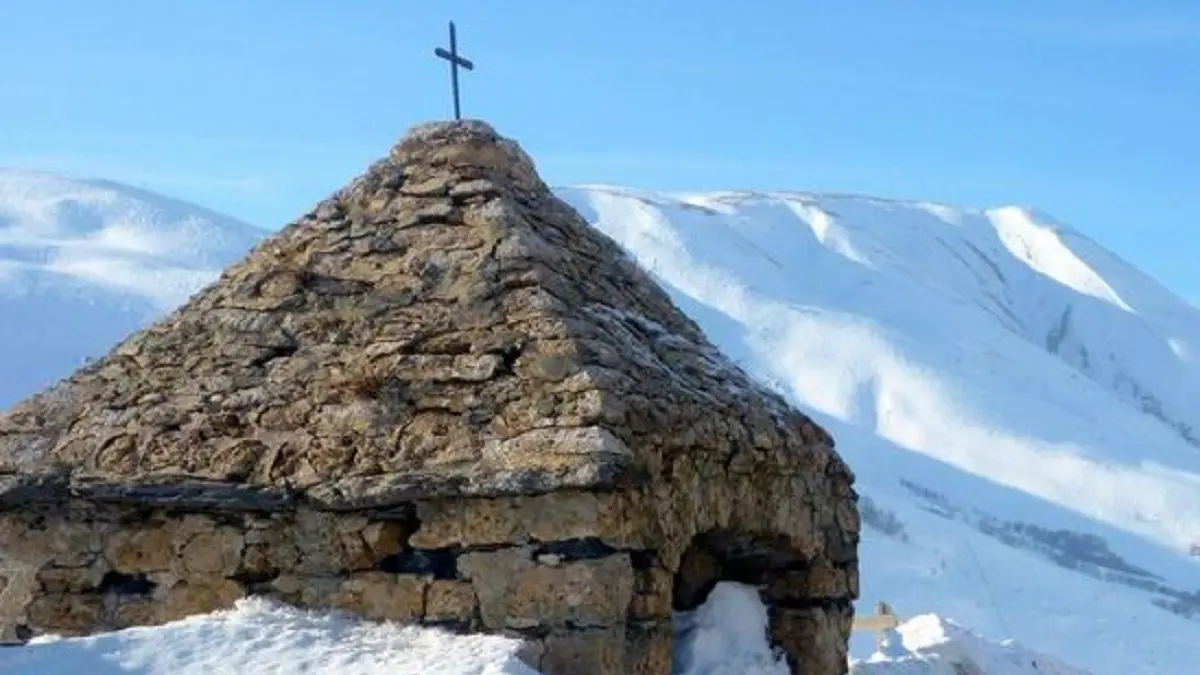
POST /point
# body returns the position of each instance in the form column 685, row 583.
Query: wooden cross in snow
column 455, row 61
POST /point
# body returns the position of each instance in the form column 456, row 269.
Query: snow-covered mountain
column 1016, row 401
column 85, row 262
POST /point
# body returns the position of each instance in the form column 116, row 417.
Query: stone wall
column 588, row 579
column 82, row 567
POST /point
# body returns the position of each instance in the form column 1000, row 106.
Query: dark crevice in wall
column 125, row 584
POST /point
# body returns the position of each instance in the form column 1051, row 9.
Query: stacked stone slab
column 438, row 398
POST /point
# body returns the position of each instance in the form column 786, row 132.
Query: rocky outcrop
column 439, row 397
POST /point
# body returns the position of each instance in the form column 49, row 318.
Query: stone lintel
column 357, row 493
column 183, row 493
column 19, row 489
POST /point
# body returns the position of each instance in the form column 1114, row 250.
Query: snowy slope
column 85, row 262
column 1016, row 401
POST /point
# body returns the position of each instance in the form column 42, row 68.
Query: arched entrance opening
column 752, row 559
column 807, row 601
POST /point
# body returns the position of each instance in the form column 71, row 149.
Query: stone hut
column 440, row 397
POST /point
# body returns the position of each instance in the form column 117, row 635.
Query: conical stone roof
column 443, row 326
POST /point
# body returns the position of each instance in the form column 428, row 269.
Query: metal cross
column 455, row 61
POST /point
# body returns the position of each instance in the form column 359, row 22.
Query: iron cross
column 455, row 61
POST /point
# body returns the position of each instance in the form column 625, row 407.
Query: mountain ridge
column 918, row 337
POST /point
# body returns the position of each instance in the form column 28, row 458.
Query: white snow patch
column 929, row 645
column 1039, row 246
column 264, row 638
column 727, row 635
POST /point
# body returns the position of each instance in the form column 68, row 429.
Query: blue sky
column 1084, row 108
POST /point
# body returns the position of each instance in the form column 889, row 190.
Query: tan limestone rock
column 516, row 591
column 600, row 650
column 140, row 548
column 217, row 551
column 197, row 595
column 377, row 595
column 516, row 520
column 450, row 601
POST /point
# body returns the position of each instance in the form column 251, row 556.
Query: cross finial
column 455, row 61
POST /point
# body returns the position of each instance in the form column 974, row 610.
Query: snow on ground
column 260, row 637
column 724, row 636
column 83, row 263
column 928, row 645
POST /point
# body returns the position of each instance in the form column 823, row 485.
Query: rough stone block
column 66, row 613
column 515, row 591
column 450, row 601
column 196, row 595
column 649, row 647
column 216, row 551
column 140, row 548
column 651, row 594
column 518, row 520
column 380, row 595
column 70, row 579
column 813, row 638
column 817, row 582
column 593, row 651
